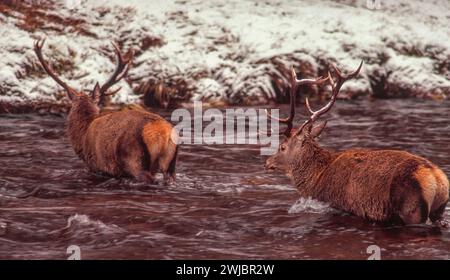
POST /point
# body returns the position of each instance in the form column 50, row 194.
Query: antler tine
column 112, row 92
column 308, row 106
column 49, row 70
column 349, row 75
column 341, row 79
column 320, row 81
column 288, row 121
column 335, row 88
column 313, row 81
column 294, row 85
column 292, row 100
column 316, row 114
column 122, row 67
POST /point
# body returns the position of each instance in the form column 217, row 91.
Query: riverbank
column 223, row 52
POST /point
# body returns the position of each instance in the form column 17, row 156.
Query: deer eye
column 282, row 147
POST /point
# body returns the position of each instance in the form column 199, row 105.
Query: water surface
column 224, row 204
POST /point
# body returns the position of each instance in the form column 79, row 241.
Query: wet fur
column 380, row 185
column 130, row 142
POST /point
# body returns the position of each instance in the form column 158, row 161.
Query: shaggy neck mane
column 79, row 119
column 306, row 170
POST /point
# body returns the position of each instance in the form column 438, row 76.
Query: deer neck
column 306, row 170
column 79, row 120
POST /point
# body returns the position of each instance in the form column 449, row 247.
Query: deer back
column 378, row 184
column 115, row 138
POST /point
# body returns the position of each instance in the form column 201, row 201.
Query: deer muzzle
column 270, row 165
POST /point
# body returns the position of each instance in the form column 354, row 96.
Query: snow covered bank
column 225, row 52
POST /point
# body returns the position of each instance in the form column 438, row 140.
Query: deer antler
column 123, row 65
column 294, row 85
column 335, row 88
column 38, row 50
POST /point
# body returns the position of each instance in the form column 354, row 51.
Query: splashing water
column 309, row 205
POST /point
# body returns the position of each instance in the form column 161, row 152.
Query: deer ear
column 306, row 130
column 96, row 93
column 317, row 129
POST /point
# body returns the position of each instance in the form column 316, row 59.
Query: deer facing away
column 132, row 143
column 379, row 185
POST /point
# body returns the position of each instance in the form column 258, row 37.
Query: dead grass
column 172, row 92
column 41, row 16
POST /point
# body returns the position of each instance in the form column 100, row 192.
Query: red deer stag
column 380, row 185
column 132, row 143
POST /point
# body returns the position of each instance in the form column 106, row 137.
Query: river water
column 223, row 205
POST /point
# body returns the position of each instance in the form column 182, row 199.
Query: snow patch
column 231, row 50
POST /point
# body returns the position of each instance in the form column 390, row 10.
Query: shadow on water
column 224, row 205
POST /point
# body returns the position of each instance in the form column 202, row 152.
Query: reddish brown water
column 224, row 204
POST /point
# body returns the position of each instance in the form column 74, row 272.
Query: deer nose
column 268, row 165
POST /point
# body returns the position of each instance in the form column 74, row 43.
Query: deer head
column 299, row 144
column 80, row 100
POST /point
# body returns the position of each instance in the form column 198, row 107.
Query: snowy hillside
column 224, row 52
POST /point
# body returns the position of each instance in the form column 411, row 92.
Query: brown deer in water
column 133, row 143
column 380, row 185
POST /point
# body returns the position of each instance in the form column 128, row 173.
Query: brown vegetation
column 42, row 16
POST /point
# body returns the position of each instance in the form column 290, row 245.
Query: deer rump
column 129, row 143
column 384, row 185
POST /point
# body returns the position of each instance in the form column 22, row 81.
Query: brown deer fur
column 380, row 185
column 129, row 142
